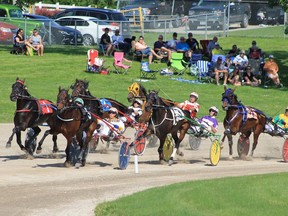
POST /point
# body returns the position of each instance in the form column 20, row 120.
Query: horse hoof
column 8, row 145
column 55, row 150
column 77, row 165
column 230, row 158
column 38, row 151
column 67, row 164
column 170, row 162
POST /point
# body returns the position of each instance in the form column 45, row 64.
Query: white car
column 90, row 27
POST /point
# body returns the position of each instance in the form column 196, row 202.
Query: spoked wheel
column 285, row 151
column 194, row 142
column 243, row 146
column 168, row 147
column 139, row 145
column 215, row 152
column 124, row 155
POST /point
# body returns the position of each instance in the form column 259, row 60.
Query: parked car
column 109, row 16
column 59, row 34
column 13, row 15
column 7, row 32
column 91, row 28
column 270, row 16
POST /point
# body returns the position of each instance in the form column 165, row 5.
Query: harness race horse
column 162, row 121
column 137, row 90
column 243, row 119
column 69, row 120
column 30, row 113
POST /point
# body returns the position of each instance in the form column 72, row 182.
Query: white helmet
column 139, row 101
column 194, row 94
column 214, row 108
column 113, row 109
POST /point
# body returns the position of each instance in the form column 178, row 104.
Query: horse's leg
column 55, row 146
column 39, row 147
column 179, row 140
column 68, row 162
column 256, row 134
column 18, row 138
column 160, row 149
column 230, row 142
column 222, row 141
column 8, row 144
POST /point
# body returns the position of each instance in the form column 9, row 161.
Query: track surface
column 43, row 186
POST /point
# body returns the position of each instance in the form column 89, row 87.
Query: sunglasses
column 111, row 112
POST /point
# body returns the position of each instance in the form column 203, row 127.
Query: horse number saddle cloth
column 251, row 113
column 45, row 106
column 177, row 114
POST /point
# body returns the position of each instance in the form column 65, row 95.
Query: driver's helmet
column 214, row 108
column 139, row 101
column 79, row 101
column 194, row 94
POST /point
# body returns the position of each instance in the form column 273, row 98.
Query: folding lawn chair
column 146, row 72
column 94, row 64
column 118, row 63
column 203, row 70
column 177, row 63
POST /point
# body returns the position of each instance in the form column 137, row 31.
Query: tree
column 282, row 3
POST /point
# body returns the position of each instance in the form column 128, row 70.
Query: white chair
column 203, row 70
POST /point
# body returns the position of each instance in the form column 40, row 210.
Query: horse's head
column 136, row 90
column 152, row 99
column 80, row 87
column 63, row 98
column 228, row 98
column 18, row 89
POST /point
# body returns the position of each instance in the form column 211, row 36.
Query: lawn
column 60, row 66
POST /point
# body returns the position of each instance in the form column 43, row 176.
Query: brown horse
column 237, row 120
column 30, row 112
column 162, row 121
column 137, row 90
column 69, row 121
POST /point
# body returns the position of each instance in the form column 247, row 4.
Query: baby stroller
column 94, row 64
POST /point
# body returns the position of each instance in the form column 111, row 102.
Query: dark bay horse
column 164, row 120
column 238, row 121
column 30, row 113
column 137, row 90
column 69, row 121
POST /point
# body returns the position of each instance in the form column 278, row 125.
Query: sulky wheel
column 215, row 152
column 168, row 147
column 139, row 145
column 243, row 146
column 194, row 142
column 124, row 155
column 285, row 151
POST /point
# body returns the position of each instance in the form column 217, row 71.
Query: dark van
column 110, row 16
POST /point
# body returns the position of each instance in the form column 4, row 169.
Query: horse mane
column 143, row 89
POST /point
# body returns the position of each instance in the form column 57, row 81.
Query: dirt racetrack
column 43, row 186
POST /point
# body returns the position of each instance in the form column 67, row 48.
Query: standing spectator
column 118, row 40
column 106, row 42
column 171, row 44
column 37, row 43
column 142, row 48
column 271, row 69
column 249, row 78
column 241, row 60
column 193, row 43
column 160, row 48
column 219, row 68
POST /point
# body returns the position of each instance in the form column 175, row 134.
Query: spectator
column 217, row 50
column 106, row 42
column 119, row 42
column 193, row 43
column 37, row 43
column 271, row 69
column 219, row 68
column 19, row 41
column 160, row 47
column 241, row 60
column 234, row 51
column 254, row 52
column 211, row 46
column 171, row 44
column 142, row 48
column 249, row 78
column 191, row 105
column 234, row 77
column 184, row 48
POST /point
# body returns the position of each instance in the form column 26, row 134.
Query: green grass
column 259, row 195
column 60, row 66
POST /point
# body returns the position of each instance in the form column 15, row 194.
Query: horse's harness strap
column 240, row 110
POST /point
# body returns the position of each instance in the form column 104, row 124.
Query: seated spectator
column 142, row 48
column 19, row 41
column 219, row 68
column 160, row 47
column 171, row 44
column 271, row 69
column 184, row 48
column 118, row 40
column 217, row 50
column 106, row 42
column 193, row 43
column 234, row 77
column 211, row 46
column 241, row 60
column 249, row 78
column 37, row 43
column 254, row 52
column 234, row 51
